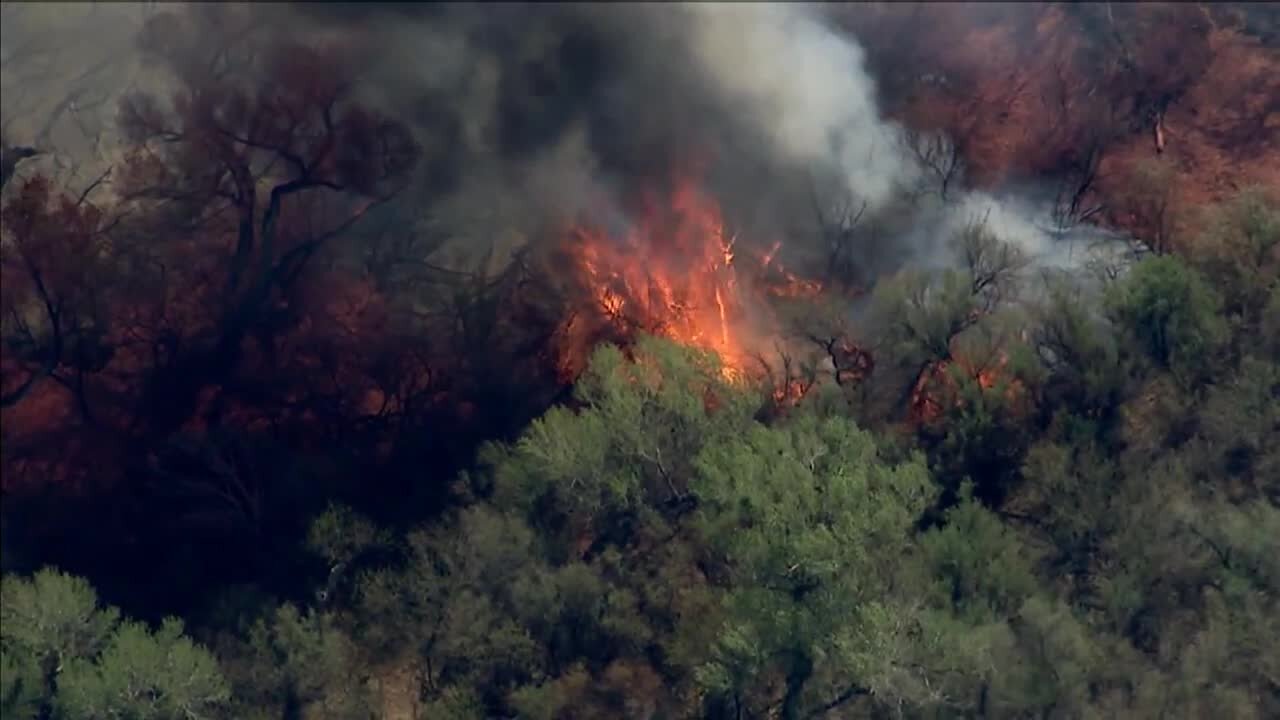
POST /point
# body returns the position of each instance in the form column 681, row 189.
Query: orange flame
column 936, row 388
column 678, row 274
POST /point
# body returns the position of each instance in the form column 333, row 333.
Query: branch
column 53, row 354
column 15, row 397
column 291, row 157
column 93, row 186
column 283, row 275
column 842, row 698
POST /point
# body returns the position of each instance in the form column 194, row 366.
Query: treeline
column 1055, row 496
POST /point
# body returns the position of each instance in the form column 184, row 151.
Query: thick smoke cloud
column 532, row 115
column 553, row 111
column 542, row 113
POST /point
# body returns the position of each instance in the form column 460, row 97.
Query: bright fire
column 678, row 273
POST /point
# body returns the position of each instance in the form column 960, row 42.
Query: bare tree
column 218, row 476
column 1074, row 201
column 993, row 266
column 838, row 223
column 939, row 158
column 851, row 363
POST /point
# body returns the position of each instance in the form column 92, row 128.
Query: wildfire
column 935, row 388
column 678, row 273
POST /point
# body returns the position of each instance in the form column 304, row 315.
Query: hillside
column 641, row 361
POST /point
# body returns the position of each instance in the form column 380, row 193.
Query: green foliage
column 1241, row 251
column 1086, row 527
column 53, row 618
column 923, row 313
column 1170, row 314
column 456, row 606
column 628, row 449
column 64, row 653
column 979, row 566
column 295, row 662
column 1269, row 333
column 455, row 703
column 1062, row 658
column 144, row 675
column 1070, row 491
column 660, row 541
column 799, row 506
column 339, row 535
column 809, row 522
column 1086, row 376
column 1237, row 443
column 22, row 688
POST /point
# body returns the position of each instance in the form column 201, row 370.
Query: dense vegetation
column 271, row 451
column 1093, row 533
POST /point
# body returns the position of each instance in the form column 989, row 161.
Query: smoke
column 62, row 67
column 533, row 115
column 806, row 89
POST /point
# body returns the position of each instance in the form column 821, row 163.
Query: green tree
column 64, row 653
column 810, row 523
column 1237, row 442
column 480, row 610
column 144, row 675
column 979, row 567
column 1170, row 314
column 984, row 400
column 1240, row 253
column 918, row 318
column 294, row 664
column 627, row 451
column 50, row 620
column 1086, row 377
column 22, row 687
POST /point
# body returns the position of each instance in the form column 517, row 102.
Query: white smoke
column 1029, row 224
column 1014, row 221
column 806, row 89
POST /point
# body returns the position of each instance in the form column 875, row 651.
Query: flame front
column 678, row 273
column 673, row 274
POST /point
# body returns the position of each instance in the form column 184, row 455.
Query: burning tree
column 680, row 274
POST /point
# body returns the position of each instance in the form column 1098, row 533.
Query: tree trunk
column 797, row 678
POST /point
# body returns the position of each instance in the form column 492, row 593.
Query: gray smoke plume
column 532, row 115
